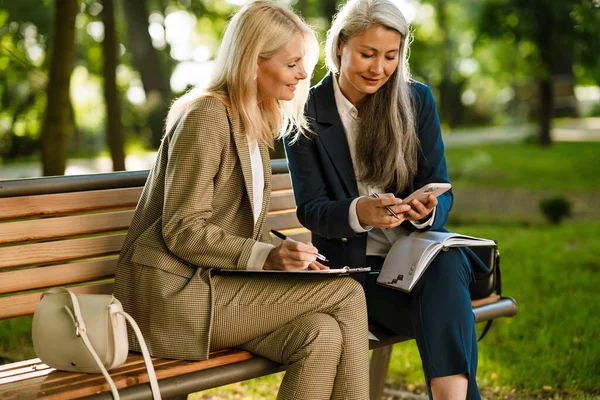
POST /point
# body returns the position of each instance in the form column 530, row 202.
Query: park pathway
column 585, row 129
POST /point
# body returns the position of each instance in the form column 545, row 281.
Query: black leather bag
column 486, row 283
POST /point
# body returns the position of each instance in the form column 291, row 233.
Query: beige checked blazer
column 194, row 216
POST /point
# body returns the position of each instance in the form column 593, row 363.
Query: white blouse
column 260, row 250
column 379, row 241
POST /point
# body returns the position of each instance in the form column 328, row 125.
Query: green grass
column 259, row 388
column 562, row 167
column 15, row 340
column 554, row 340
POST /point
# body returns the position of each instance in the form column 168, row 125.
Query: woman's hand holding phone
column 375, row 211
column 420, row 212
column 424, row 200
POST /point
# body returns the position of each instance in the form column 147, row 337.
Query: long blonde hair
column 387, row 143
column 257, row 31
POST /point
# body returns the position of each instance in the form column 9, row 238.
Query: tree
column 148, row 63
column 114, row 131
column 560, row 31
column 451, row 84
column 58, row 125
column 23, row 75
column 329, row 9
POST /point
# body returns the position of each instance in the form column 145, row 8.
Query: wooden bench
column 68, row 231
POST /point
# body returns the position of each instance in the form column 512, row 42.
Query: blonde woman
column 377, row 130
column 203, row 210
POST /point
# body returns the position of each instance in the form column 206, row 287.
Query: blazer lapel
column 332, row 135
column 241, row 145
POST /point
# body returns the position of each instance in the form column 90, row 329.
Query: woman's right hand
column 291, row 255
column 371, row 211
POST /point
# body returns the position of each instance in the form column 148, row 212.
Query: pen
column 283, row 237
column 386, row 207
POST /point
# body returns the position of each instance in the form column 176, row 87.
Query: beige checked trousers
column 316, row 325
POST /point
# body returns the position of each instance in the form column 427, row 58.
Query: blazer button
column 344, row 240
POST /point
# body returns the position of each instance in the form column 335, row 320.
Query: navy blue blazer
column 324, row 182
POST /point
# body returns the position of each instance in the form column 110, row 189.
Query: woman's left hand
column 420, row 212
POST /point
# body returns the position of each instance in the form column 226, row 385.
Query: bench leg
column 380, row 361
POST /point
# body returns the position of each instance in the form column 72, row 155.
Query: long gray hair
column 386, row 143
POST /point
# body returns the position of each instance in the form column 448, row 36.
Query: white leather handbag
column 85, row 333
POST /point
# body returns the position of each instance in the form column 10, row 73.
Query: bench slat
column 298, row 234
column 61, row 250
column 10, row 367
column 24, row 304
column 67, row 385
column 284, row 219
column 280, row 181
column 53, row 380
column 57, row 275
column 50, row 228
column 48, row 204
column 488, row 300
column 35, row 369
column 22, row 380
column 282, row 200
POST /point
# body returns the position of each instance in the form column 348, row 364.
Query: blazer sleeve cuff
column 353, row 219
column 426, row 224
column 258, row 255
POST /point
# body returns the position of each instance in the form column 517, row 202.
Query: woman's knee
column 355, row 290
column 448, row 268
column 322, row 334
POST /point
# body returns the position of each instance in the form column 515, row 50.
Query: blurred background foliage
column 498, row 62
column 88, row 78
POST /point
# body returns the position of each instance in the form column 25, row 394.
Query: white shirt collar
column 344, row 106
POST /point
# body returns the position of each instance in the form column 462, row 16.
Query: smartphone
column 431, row 188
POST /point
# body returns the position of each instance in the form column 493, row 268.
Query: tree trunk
column 545, row 89
column 147, row 62
column 545, row 27
column 57, row 125
column 451, row 106
column 329, row 9
column 563, row 79
column 114, row 131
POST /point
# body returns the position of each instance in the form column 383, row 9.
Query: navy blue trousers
column 437, row 313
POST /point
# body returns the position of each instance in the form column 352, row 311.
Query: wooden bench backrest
column 73, row 239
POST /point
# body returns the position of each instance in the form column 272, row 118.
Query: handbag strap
column 145, row 353
column 81, row 331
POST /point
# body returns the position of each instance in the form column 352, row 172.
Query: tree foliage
column 486, row 62
column 554, row 37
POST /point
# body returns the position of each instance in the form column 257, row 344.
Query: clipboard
column 331, row 272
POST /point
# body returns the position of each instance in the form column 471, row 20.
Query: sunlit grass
column 551, row 346
column 561, row 167
column 260, row 388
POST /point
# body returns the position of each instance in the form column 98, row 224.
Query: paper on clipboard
column 332, row 271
